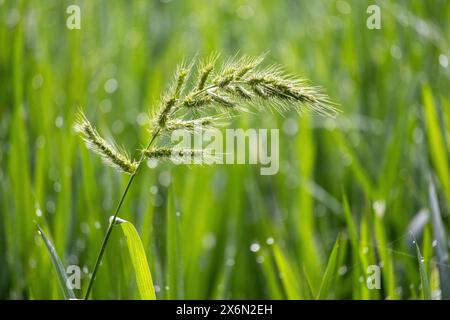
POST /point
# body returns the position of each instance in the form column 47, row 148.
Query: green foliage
column 375, row 173
column 425, row 284
column 138, row 260
column 58, row 266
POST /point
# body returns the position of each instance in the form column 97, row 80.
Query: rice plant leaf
column 289, row 280
column 423, row 275
column 441, row 241
column 138, row 260
column 436, row 141
column 385, row 254
column 58, row 266
column 174, row 263
column 361, row 174
column 354, row 241
column 330, row 271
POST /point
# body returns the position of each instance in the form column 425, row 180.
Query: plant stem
column 113, row 220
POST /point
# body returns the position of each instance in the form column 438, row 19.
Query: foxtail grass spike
column 240, row 81
column 110, row 155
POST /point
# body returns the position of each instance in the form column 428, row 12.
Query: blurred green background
column 225, row 231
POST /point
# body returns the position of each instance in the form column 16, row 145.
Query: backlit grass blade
column 423, row 274
column 273, row 283
column 288, row 278
column 436, row 141
column 138, row 260
column 441, row 241
column 174, row 263
column 385, row 254
column 354, row 241
column 330, row 271
column 58, row 266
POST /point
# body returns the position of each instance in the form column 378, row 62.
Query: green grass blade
column 288, row 277
column 174, row 263
column 436, row 141
column 385, row 255
column 330, row 271
column 58, row 266
column 138, row 260
column 423, row 274
column 441, row 241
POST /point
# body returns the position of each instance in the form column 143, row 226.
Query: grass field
column 368, row 189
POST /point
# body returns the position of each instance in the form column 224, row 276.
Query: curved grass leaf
column 330, row 271
column 423, row 275
column 289, row 280
column 174, row 263
column 138, row 260
column 441, row 240
column 58, row 266
column 436, row 140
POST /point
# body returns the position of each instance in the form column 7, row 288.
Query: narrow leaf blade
column 58, row 266
column 329, row 271
column 138, row 260
column 423, row 275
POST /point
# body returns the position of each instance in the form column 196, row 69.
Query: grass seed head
column 108, row 152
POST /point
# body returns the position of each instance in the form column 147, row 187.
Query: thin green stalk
column 268, row 84
column 116, row 213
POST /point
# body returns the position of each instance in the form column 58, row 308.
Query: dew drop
column 153, row 189
column 40, row 142
column 254, row 247
column 142, row 119
column 117, row 127
column 37, row 81
column 32, row 263
column 230, row 262
column 245, row 12
column 165, row 178
column 57, row 187
column 343, row 7
column 111, row 85
column 379, row 207
column 50, row 205
column 342, row 270
column 152, row 163
column 84, row 227
column 105, row 105
column 209, row 241
column 59, row 121
column 443, row 60
column 290, row 126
